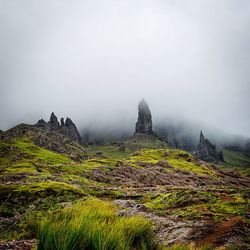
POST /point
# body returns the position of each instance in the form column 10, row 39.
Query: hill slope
column 236, row 159
column 187, row 200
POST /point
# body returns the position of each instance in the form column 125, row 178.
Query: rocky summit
column 67, row 128
column 53, row 122
column 206, row 151
column 144, row 121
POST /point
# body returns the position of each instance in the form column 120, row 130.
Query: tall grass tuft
column 94, row 224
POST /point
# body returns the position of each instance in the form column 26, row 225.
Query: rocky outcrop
column 62, row 121
column 206, row 151
column 67, row 128
column 144, row 121
column 42, row 135
column 144, row 136
column 53, row 122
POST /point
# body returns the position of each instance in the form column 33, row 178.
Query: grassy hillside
column 236, row 159
column 132, row 197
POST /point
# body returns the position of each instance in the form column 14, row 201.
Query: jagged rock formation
column 144, row 136
column 62, row 121
column 67, row 128
column 41, row 135
column 206, row 151
column 144, row 121
column 53, row 122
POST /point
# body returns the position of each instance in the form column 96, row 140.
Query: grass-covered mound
column 94, row 224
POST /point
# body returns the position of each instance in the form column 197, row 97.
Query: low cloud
column 94, row 60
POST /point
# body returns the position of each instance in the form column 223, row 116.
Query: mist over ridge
column 94, row 61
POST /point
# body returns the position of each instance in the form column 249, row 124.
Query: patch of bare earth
column 162, row 173
column 170, row 230
column 227, row 233
column 17, row 244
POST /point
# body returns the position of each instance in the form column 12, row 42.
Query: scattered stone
column 17, row 245
column 99, row 154
column 131, row 207
column 66, row 204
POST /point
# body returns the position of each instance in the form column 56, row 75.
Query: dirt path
column 222, row 229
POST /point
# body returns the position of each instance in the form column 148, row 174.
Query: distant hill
column 183, row 135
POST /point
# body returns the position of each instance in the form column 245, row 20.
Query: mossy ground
column 177, row 158
column 36, row 181
column 191, row 204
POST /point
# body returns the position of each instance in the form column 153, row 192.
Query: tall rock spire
column 53, row 121
column 144, row 120
column 202, row 137
column 206, row 151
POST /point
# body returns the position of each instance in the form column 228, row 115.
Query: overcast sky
column 94, row 60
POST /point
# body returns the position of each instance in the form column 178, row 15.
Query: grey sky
column 94, row 60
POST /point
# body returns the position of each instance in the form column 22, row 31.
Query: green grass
column 33, row 191
column 94, row 224
column 24, row 167
column 177, row 199
column 198, row 204
column 179, row 159
column 108, row 151
column 138, row 141
column 23, row 156
column 40, row 154
column 39, row 181
column 229, row 208
column 28, row 203
column 236, row 159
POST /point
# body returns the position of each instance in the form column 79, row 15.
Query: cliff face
column 67, row 128
column 206, row 151
column 144, row 121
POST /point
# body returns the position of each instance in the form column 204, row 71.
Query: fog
column 94, row 60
